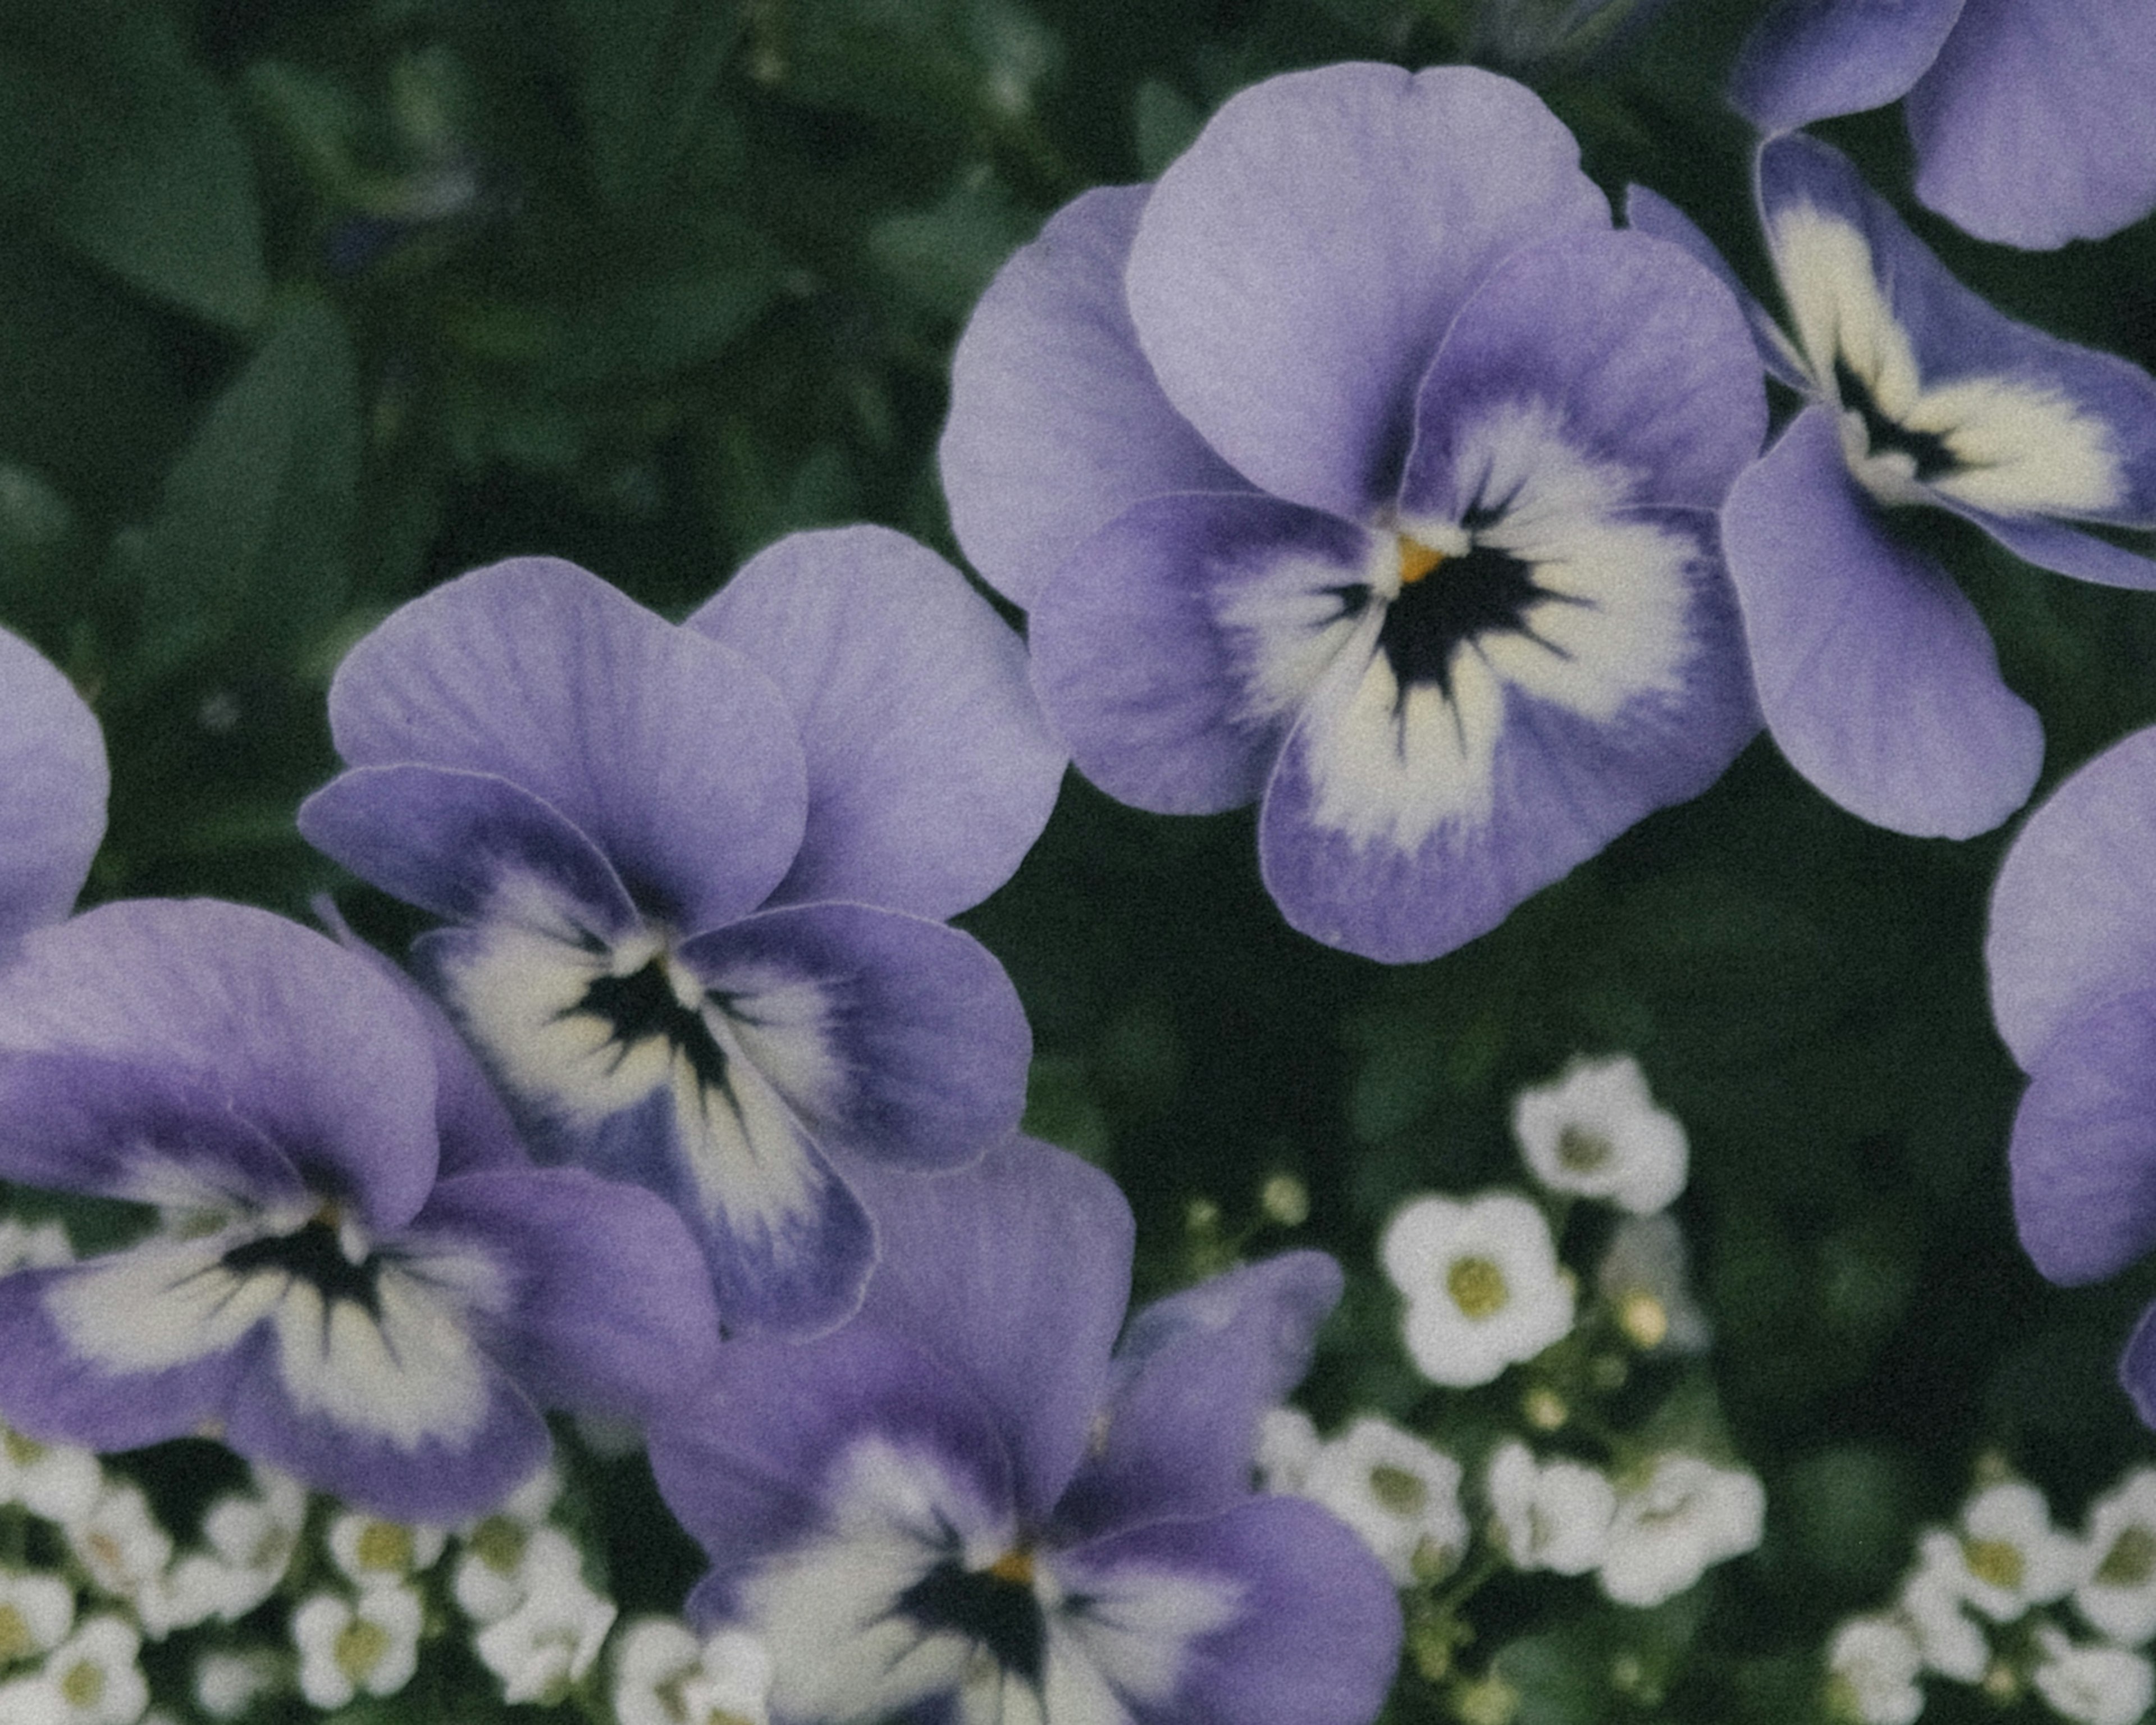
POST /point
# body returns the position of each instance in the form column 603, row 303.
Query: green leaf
column 125, row 147
column 942, row 258
column 645, row 71
column 253, row 538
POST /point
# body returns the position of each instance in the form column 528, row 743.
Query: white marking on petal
column 1129, row 1630
column 161, row 1302
column 407, row 1375
column 2020, row 446
column 1610, row 628
column 1287, row 626
column 781, row 1020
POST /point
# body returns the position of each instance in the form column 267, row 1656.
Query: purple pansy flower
column 1357, row 466
column 2071, row 952
column 2030, row 118
column 335, row 1284
column 696, row 873
column 965, row 1506
column 52, row 786
column 1875, row 673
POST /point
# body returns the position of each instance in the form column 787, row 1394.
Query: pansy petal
column 1013, row 1272
column 2073, row 912
column 52, row 786
column 1175, row 649
column 1875, row 672
column 669, row 752
column 2011, row 421
column 306, row 1042
column 59, row 1388
column 2084, row 1150
column 1405, row 819
column 1646, row 350
column 930, row 770
column 746, row 1464
column 464, row 845
column 607, row 1308
column 1294, row 268
column 2009, row 147
column 1648, row 212
column 1057, row 425
column 1192, row 1377
column 1808, row 59
column 891, row 1038
column 2068, row 551
column 1273, row 1613
column 92, row 1124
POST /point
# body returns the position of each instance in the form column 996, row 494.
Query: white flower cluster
column 2000, row 1567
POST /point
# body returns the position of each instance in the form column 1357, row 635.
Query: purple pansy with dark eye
column 970, row 1504
column 52, row 786
column 2071, row 952
column 1357, row 466
column 1875, row 673
column 696, row 873
column 351, row 1276
column 2030, row 118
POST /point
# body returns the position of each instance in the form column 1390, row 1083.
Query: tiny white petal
column 1399, row 1495
column 1595, row 1132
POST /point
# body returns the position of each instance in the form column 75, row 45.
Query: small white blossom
column 1687, row 1516
column 2093, row 1684
column 55, row 1482
column 121, row 1544
column 1872, row 1665
column 1596, row 1132
column 1644, row 1280
column 35, row 1614
column 1400, row 1495
column 25, row 1246
column 551, row 1639
column 664, row 1675
column 1287, row 1444
column 1483, row 1284
column 89, row 1679
column 347, row 1646
column 2118, row 1598
column 1933, row 1602
column 226, row 1685
column 1554, row 1516
column 2012, row 1557
column 488, row 1582
column 375, row 1553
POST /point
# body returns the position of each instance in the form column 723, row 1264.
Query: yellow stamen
column 1477, row 1287
column 1014, row 1566
column 1417, row 560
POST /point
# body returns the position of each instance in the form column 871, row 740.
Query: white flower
column 1400, row 1495
column 1481, row 1281
column 1553, row 1517
column 251, row 1537
column 488, row 1580
column 1597, row 1132
column 2093, row 1684
column 120, row 1544
column 664, row 1675
column 228, row 1684
column 1872, row 1664
column 24, row 1247
column 1950, row 1641
column 551, row 1639
column 89, row 1679
column 347, row 1646
column 373, row 1553
column 2012, row 1557
column 35, row 1612
column 1287, row 1444
column 1687, row 1516
column 1643, row 1280
column 55, row 1482
column 2118, row 1598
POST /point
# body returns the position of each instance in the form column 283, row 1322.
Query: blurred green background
column 306, row 306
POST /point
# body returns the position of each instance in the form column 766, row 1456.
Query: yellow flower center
column 361, row 1646
column 1014, row 1566
column 1581, row 1151
column 21, row 1451
column 1643, row 1319
column 499, row 1542
column 2131, row 1560
column 1997, row 1562
column 1399, row 1491
column 1477, row 1287
column 16, row 1640
column 83, row 1685
column 1417, row 560
column 385, row 1546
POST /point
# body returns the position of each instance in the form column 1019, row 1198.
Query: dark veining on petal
column 999, row 1612
column 1928, row 450
column 315, row 1256
column 642, row 1005
column 1481, row 590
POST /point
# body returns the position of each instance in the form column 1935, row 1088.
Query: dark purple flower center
column 1881, row 435
column 642, row 1005
column 995, row 1607
column 314, row 1255
column 1445, row 601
